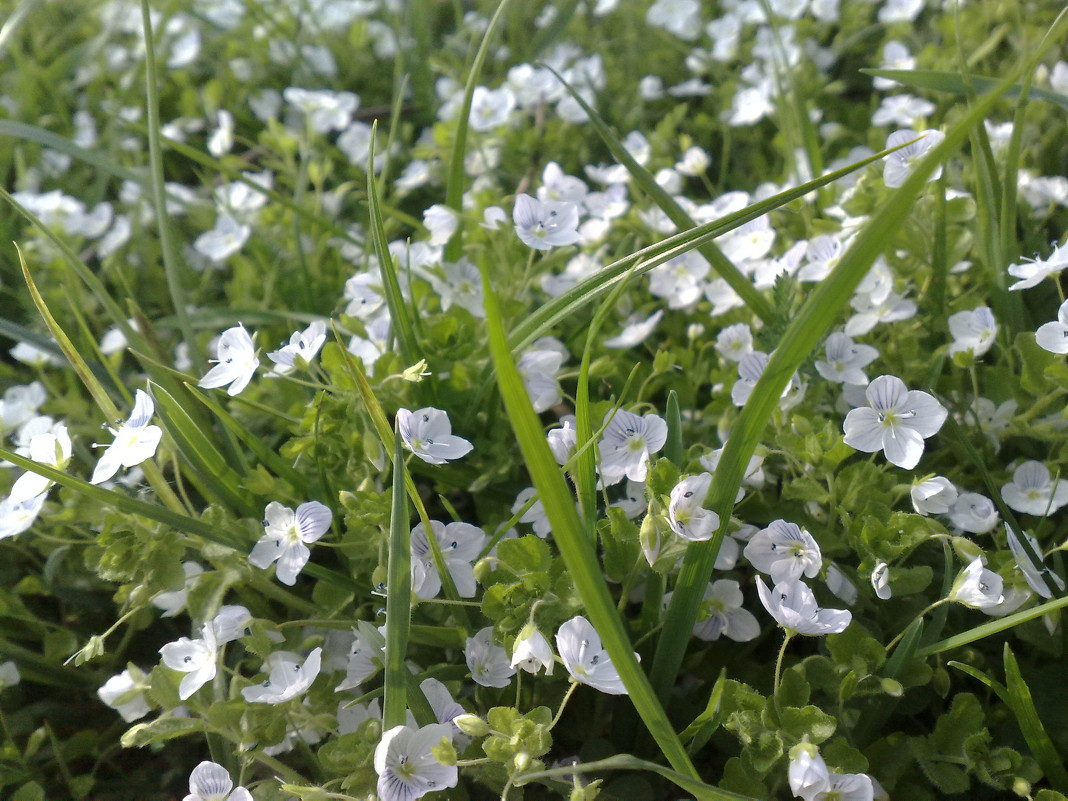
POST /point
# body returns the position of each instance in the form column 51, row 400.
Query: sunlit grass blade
column 542, row 319
column 1019, row 700
column 168, row 246
column 180, row 522
column 568, row 531
column 991, row 627
column 198, row 450
column 454, row 186
column 53, row 141
column 704, row 725
column 756, row 302
column 398, row 597
column 820, row 311
column 953, row 83
column 398, row 309
column 702, row 791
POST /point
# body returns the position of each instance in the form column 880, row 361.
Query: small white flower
column 896, row 422
column 288, row 679
column 750, row 368
column 210, row 781
column 785, row 551
column 977, row 587
column 544, row 226
column 224, row 240
column 973, row 331
column 124, row 692
column 880, row 580
column 535, row 515
column 1033, row 574
column 237, row 362
column 460, row 283
column 579, row 646
column 300, row 350
column 562, row 440
column 726, row 617
column 539, row 369
column 973, row 513
column 686, row 514
column 367, row 655
column 460, row 545
column 1031, row 491
column 487, row 661
column 406, row 766
column 286, row 537
column 933, row 496
column 135, row 441
column 635, row 331
column 531, row 651
column 793, row 606
column 51, row 449
column 428, row 434
column 846, row 360
column 441, row 222
column 840, row 584
column 195, row 658
column 173, row 601
column 1053, row 336
column 1033, row 271
column 627, row 445
column 734, row 341
column 18, row 516
column 899, row 164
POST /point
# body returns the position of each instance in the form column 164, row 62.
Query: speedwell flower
column 977, row 587
column 686, row 513
column 973, row 330
column 899, row 164
column 544, row 226
column 288, row 678
column 405, row 762
column 195, row 658
column 1031, row 491
column 300, row 350
column 428, row 434
column 237, row 362
column 784, row 551
column 587, row 662
column 1053, row 336
column 135, row 441
column 627, row 444
column 897, row 421
column 460, row 545
column 287, row 535
column 488, row 662
column 793, row 606
column 210, row 781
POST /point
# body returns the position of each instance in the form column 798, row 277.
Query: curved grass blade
column 570, row 536
column 953, row 83
column 568, row 303
column 723, row 266
column 398, row 597
column 53, row 141
column 702, row 791
column 813, row 321
column 992, row 627
column 454, row 187
column 705, row 724
column 1019, row 700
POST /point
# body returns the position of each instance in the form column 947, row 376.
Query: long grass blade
column 813, row 321
column 992, row 627
column 1023, row 707
column 570, row 536
column 953, row 83
column 398, row 597
column 53, row 141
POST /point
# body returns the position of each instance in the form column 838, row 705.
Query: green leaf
column 45, row 138
column 953, row 83
column 704, row 725
column 1018, row 698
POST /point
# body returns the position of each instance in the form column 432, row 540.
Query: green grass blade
column 177, row 521
column 568, row 531
column 705, row 724
column 1023, row 707
column 454, row 187
column 817, row 315
column 704, row 792
column 984, row 678
column 756, row 302
column 398, row 597
column 20, row 333
column 168, row 246
column 992, row 627
column 953, row 83
column 568, row 303
column 398, row 309
column 53, row 141
column 196, row 447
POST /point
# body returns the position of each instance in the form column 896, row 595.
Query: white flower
column 973, row 331
column 880, row 580
column 441, row 701
column 680, row 281
column 406, row 766
column 902, row 110
column 441, row 222
column 750, row 368
column 1030, row 491
column 460, row 284
column 288, row 679
column 460, row 545
column 53, row 450
column 366, row 656
column 544, row 226
column 785, row 551
column 287, row 535
column 124, row 692
column 18, row 516
column 873, row 309
column 9, row 674
column 531, row 651
column 635, row 331
column 793, row 606
column 325, row 110
column 539, row 369
column 490, row 107
column 840, row 584
column 210, row 781
column 846, row 360
column 896, row 422
column 562, row 441
column 726, row 617
column 734, row 341
column 1033, row 574
column 535, row 515
column 898, row 165
column 300, row 350
column 230, row 623
column 428, row 434
column 627, row 444
column 812, row 781
column 487, row 661
column 20, row 404
column 173, row 601
column 237, row 362
column 1033, row 271
column 977, row 587
column 680, row 17
column 195, row 658
column 1054, row 336
column 135, row 441
column 821, row 256
column 224, row 240
column 933, row 496
column 579, row 646
column 973, row 513
column 686, row 514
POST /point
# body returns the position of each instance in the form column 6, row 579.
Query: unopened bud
column 472, row 725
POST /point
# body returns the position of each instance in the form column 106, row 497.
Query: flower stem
column 782, row 654
column 930, row 608
column 563, row 703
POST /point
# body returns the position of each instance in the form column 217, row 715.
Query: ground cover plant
column 592, row 399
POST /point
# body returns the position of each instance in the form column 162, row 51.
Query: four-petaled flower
column 300, row 350
column 784, row 551
column 1053, row 336
column 195, row 658
column 587, row 662
column 460, row 545
column 544, row 226
column 135, row 441
column 428, row 434
column 210, row 781
column 897, row 421
column 487, row 661
column 686, row 514
column 977, row 586
column 793, row 606
column 406, row 766
column 287, row 535
column 237, row 361
column 288, row 678
column 1031, row 491
column 627, row 444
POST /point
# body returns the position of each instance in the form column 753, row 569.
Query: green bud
column 472, row 725
column 892, row 687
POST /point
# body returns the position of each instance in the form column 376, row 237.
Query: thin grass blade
column 953, row 83
column 1023, row 707
column 398, row 597
column 992, row 627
